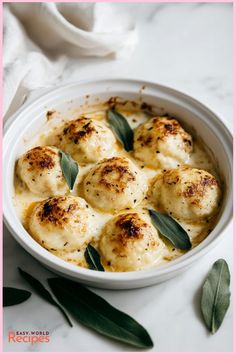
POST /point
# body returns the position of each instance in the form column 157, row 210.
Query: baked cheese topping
column 130, row 242
column 169, row 170
column 187, row 193
column 115, row 184
column 61, row 224
column 162, row 143
column 87, row 140
column 40, row 170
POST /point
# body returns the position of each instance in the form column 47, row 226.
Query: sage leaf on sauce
column 121, row 129
column 216, row 295
column 69, row 168
column 14, row 296
column 92, row 258
column 169, row 228
column 43, row 292
column 94, row 312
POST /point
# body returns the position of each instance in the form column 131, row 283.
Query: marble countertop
column 187, row 47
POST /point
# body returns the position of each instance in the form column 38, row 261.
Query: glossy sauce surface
column 200, row 158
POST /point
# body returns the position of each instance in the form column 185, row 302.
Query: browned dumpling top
column 62, row 223
column 161, row 142
column 114, row 184
column 130, row 242
column 187, row 193
column 87, row 140
column 40, row 170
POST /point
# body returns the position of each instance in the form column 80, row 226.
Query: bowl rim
column 75, row 271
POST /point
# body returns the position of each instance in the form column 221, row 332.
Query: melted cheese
column 199, row 158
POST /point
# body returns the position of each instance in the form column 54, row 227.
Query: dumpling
column 87, row 140
column 114, row 184
column 61, row 224
column 130, row 242
column 187, row 193
column 161, row 142
column 40, row 169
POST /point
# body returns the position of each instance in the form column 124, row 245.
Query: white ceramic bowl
column 30, row 120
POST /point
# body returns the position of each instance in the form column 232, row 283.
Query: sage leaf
column 69, row 168
column 92, row 258
column 14, row 296
column 94, row 312
column 121, row 129
column 43, row 292
column 169, row 228
column 216, row 295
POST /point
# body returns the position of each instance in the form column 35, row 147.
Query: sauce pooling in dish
column 169, row 170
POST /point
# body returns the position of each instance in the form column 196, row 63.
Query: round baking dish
column 33, row 118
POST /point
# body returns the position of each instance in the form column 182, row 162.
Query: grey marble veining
column 187, row 47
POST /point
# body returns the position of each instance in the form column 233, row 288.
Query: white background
column 187, row 47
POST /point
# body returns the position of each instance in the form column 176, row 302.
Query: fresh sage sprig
column 216, row 295
column 43, row 292
column 92, row 258
column 14, row 296
column 169, row 228
column 69, row 168
column 121, row 129
column 94, row 312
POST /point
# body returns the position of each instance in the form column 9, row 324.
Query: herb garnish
column 92, row 258
column 169, row 228
column 69, row 168
column 121, row 129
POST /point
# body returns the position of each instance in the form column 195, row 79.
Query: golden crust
column 114, row 184
column 130, row 242
column 165, row 127
column 80, row 129
column 40, row 170
column 187, row 193
column 87, row 140
column 130, row 226
column 162, row 142
column 40, row 158
column 115, row 174
column 53, row 211
column 61, row 223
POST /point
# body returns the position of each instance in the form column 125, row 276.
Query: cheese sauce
column 200, row 158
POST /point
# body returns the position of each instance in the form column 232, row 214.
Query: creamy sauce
column 200, row 158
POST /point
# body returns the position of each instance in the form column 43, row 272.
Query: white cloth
column 58, row 30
